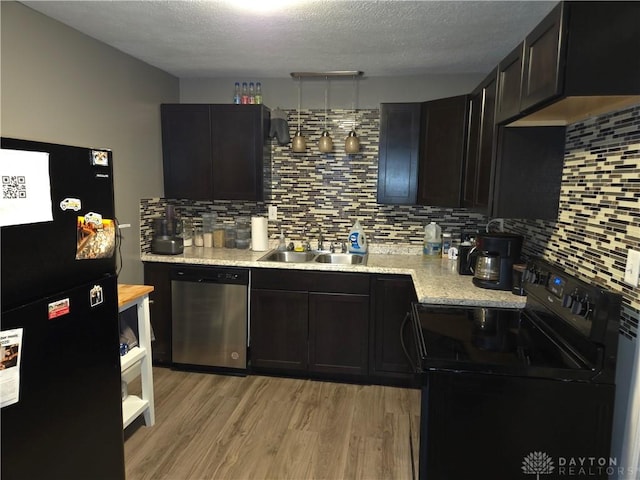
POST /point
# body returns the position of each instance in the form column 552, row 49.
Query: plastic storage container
column 432, row 240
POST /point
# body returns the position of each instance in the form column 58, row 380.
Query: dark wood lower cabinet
column 338, row 333
column 392, row 297
column 310, row 323
column 279, row 329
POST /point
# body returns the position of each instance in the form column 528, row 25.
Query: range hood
column 570, row 110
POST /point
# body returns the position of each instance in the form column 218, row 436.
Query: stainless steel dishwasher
column 209, row 313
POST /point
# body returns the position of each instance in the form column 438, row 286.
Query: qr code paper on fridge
column 14, row 186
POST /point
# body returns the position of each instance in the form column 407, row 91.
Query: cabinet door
column 444, row 135
column 398, row 153
column 186, row 151
column 542, row 72
column 157, row 275
column 392, row 299
column 279, row 329
column 509, row 85
column 238, row 143
column 529, row 172
column 338, row 333
column 481, row 145
column 486, row 151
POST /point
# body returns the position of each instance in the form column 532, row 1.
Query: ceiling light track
column 332, row 74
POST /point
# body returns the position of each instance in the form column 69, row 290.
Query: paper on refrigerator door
column 26, row 190
column 10, row 351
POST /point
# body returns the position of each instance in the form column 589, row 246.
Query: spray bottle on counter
column 357, row 239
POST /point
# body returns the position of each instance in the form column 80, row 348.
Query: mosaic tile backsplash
column 599, row 202
column 599, row 216
column 317, row 192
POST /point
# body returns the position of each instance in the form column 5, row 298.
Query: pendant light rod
column 299, row 100
column 334, row 73
column 326, row 97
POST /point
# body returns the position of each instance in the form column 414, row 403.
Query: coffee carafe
column 166, row 234
column 495, row 254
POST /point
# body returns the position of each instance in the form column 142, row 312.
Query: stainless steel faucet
column 320, row 239
column 306, row 246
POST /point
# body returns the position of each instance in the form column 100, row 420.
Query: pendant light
column 299, row 144
column 352, row 143
column 326, row 143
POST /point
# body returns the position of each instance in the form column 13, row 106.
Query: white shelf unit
column 137, row 362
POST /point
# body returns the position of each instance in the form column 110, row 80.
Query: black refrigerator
column 61, row 414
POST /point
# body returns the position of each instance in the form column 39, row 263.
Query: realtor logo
column 537, row 463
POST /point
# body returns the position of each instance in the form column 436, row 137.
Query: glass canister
column 198, row 234
column 186, row 227
column 218, row 235
column 208, row 226
column 230, row 236
column 243, row 232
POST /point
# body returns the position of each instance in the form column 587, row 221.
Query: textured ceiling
column 203, row 38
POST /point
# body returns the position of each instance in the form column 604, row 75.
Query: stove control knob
column 567, row 300
column 578, row 307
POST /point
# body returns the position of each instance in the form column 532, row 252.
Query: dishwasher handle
column 233, row 276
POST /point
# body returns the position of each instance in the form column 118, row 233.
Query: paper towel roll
column 259, row 235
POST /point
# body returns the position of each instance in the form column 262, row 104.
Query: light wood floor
column 235, row 428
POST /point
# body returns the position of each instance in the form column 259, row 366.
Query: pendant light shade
column 299, row 144
column 352, row 143
column 326, row 143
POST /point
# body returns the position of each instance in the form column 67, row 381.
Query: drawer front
column 310, row 281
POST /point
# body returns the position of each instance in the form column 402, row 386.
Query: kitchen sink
column 288, row 257
column 304, row 257
column 342, row 258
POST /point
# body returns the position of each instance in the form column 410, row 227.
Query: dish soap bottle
column 432, row 240
column 357, row 239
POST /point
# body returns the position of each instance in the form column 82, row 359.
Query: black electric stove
column 518, row 382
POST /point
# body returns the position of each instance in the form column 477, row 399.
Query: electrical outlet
column 273, row 212
column 632, row 270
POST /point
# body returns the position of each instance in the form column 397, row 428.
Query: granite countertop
column 436, row 280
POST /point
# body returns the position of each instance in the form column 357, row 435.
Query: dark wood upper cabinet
column 509, row 85
column 528, row 172
column 215, row 152
column 186, row 151
column 398, row 154
column 422, row 150
column 579, row 61
column 542, row 72
column 442, row 152
column 480, row 145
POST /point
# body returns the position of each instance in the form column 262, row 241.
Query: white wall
column 61, row 86
column 369, row 91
